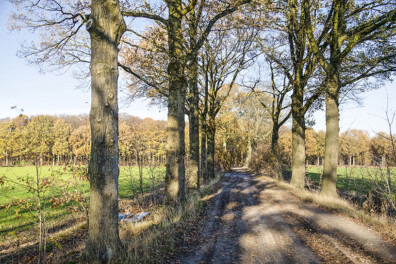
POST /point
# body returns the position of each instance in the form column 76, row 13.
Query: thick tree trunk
column 106, row 27
column 298, row 140
column 194, row 125
column 175, row 151
column 331, row 144
column 211, row 132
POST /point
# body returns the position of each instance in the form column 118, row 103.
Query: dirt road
column 251, row 220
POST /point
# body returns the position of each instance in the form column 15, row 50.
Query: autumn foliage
column 66, row 140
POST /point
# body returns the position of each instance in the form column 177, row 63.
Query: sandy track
column 251, row 220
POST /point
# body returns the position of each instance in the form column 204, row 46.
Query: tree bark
column 194, row 124
column 275, row 138
column 106, row 27
column 175, row 150
column 211, row 132
column 204, row 170
column 331, row 144
column 298, row 140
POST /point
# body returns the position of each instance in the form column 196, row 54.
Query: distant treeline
column 66, row 139
column 356, row 148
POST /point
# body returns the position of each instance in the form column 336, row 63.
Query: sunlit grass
column 357, row 179
column 18, row 201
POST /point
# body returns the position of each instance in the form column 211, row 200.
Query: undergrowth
column 153, row 240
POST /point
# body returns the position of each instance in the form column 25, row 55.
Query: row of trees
column 50, row 140
column 190, row 56
column 245, row 130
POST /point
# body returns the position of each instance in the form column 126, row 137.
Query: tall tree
column 360, row 36
column 106, row 27
column 178, row 56
column 289, row 49
column 59, row 23
column 224, row 56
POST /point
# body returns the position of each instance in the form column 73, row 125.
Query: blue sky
column 23, row 86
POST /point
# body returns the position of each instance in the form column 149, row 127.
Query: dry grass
column 383, row 224
column 153, row 240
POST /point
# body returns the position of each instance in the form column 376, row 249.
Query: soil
column 252, row 220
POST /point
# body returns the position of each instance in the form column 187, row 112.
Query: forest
column 240, row 81
column 65, row 140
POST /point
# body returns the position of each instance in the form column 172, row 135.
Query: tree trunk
column 249, row 152
column 275, row 138
column 298, row 140
column 204, row 171
column 211, row 131
column 194, row 124
column 6, row 156
column 331, row 144
column 106, row 27
column 175, row 151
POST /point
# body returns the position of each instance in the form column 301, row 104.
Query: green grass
column 18, row 201
column 359, row 179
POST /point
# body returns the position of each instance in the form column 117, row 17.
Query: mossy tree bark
column 175, row 150
column 298, row 139
column 211, row 133
column 333, row 85
column 204, row 130
column 193, row 99
column 106, row 27
column 297, row 43
column 204, row 175
column 194, row 125
column 329, row 178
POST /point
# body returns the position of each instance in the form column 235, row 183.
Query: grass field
column 359, row 179
column 18, row 193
